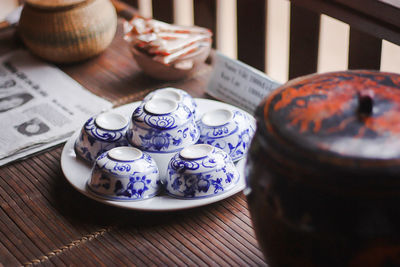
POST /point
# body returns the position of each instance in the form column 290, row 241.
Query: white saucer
column 77, row 172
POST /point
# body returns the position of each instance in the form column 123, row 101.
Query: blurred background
column 333, row 41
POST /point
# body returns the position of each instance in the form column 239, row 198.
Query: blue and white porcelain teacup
column 200, row 171
column 229, row 130
column 162, row 126
column 175, row 94
column 101, row 133
column 124, row 174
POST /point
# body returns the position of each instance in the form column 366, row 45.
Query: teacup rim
column 175, row 106
column 110, row 130
column 232, row 116
column 190, row 158
column 170, row 89
column 115, row 157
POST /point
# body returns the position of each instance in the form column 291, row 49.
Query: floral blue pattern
column 125, row 180
column 164, row 141
column 122, row 167
column 162, row 133
column 135, row 188
column 94, row 140
column 158, row 142
column 201, row 177
column 160, row 122
column 191, row 185
column 97, row 133
column 233, row 137
column 180, row 165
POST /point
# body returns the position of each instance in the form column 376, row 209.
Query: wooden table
column 43, row 220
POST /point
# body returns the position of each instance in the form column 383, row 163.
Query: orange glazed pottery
column 324, row 179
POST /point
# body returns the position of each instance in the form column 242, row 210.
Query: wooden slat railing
column 205, row 15
column 304, row 36
column 370, row 21
column 364, row 50
column 163, row 10
column 251, row 19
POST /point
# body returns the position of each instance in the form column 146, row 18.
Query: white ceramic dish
column 77, row 172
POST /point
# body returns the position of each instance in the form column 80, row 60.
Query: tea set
column 164, row 148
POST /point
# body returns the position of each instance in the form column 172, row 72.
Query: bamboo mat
column 44, row 221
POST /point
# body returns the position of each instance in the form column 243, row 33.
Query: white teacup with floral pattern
column 101, row 133
column 229, row 130
column 124, row 174
column 200, row 171
column 162, row 125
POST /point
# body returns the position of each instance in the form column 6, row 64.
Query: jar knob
column 365, row 103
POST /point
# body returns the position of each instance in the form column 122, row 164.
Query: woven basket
column 67, row 30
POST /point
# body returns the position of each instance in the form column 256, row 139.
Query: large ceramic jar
column 324, row 179
column 67, row 30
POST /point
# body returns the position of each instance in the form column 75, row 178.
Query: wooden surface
column 44, row 220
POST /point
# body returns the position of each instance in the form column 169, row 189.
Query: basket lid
column 54, row 4
column 352, row 114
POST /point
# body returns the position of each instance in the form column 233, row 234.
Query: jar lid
column 54, row 4
column 352, row 114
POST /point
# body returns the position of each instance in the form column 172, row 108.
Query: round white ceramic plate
column 77, row 172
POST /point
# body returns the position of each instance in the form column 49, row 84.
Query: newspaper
column 239, row 84
column 40, row 106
